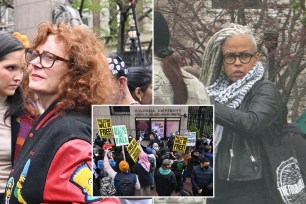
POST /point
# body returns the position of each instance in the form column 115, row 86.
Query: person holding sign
column 67, row 72
column 142, row 169
column 107, row 145
column 125, row 182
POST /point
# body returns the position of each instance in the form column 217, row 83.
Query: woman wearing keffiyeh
column 247, row 109
column 142, row 169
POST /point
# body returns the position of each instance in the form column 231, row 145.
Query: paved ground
column 187, row 185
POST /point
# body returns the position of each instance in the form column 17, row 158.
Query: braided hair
column 212, row 60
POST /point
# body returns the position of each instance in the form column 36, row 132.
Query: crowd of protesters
column 158, row 171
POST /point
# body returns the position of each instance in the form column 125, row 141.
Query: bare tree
column 279, row 26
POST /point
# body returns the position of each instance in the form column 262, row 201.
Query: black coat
column 260, row 115
column 144, row 177
column 201, row 177
column 165, row 184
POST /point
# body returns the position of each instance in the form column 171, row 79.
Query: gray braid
column 212, row 59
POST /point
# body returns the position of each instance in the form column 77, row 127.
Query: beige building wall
column 30, row 13
column 140, row 112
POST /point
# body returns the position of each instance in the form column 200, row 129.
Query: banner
column 134, row 150
column 104, row 127
column 180, row 143
column 192, row 138
column 120, row 134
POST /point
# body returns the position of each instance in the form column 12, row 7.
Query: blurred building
column 25, row 15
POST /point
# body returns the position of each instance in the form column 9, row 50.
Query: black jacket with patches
column 32, row 168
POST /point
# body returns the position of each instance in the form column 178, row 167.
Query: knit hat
column 117, row 66
column 124, row 166
column 8, row 44
column 161, row 35
column 149, row 150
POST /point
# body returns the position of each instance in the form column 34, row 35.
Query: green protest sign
column 105, row 127
column 120, row 135
column 180, row 143
column 134, row 150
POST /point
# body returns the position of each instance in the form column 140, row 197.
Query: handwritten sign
column 192, row 138
column 134, row 150
column 180, row 143
column 105, row 127
column 120, row 134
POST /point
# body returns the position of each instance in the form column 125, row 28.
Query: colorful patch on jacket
column 9, row 189
column 19, row 184
column 82, row 178
column 26, row 122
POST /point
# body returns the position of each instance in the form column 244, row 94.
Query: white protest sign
column 192, row 138
column 120, row 135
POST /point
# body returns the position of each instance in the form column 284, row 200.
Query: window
column 143, row 128
column 120, row 110
column 172, row 125
column 158, row 124
column 162, row 126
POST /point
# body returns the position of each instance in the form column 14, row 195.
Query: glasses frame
column 239, row 56
column 40, row 54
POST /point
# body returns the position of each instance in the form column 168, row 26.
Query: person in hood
column 165, row 180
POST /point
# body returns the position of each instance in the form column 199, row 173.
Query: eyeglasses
column 243, row 57
column 47, row 59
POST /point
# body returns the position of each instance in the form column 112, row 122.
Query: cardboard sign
column 120, row 134
column 180, row 143
column 134, row 150
column 105, row 127
column 192, row 138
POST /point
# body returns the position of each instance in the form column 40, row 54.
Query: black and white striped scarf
column 232, row 95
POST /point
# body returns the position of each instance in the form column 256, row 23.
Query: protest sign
column 180, row 143
column 120, row 134
column 134, row 150
column 192, row 138
column 104, row 127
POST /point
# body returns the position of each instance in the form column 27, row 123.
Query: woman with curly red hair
column 67, row 73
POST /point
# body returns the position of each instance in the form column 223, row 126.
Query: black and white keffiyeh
column 232, row 95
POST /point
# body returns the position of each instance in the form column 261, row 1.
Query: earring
column 140, row 99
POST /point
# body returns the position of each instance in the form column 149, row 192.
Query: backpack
column 107, row 187
column 126, row 186
column 152, row 165
column 178, row 165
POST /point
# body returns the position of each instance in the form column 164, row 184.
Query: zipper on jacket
column 253, row 160
column 231, row 151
